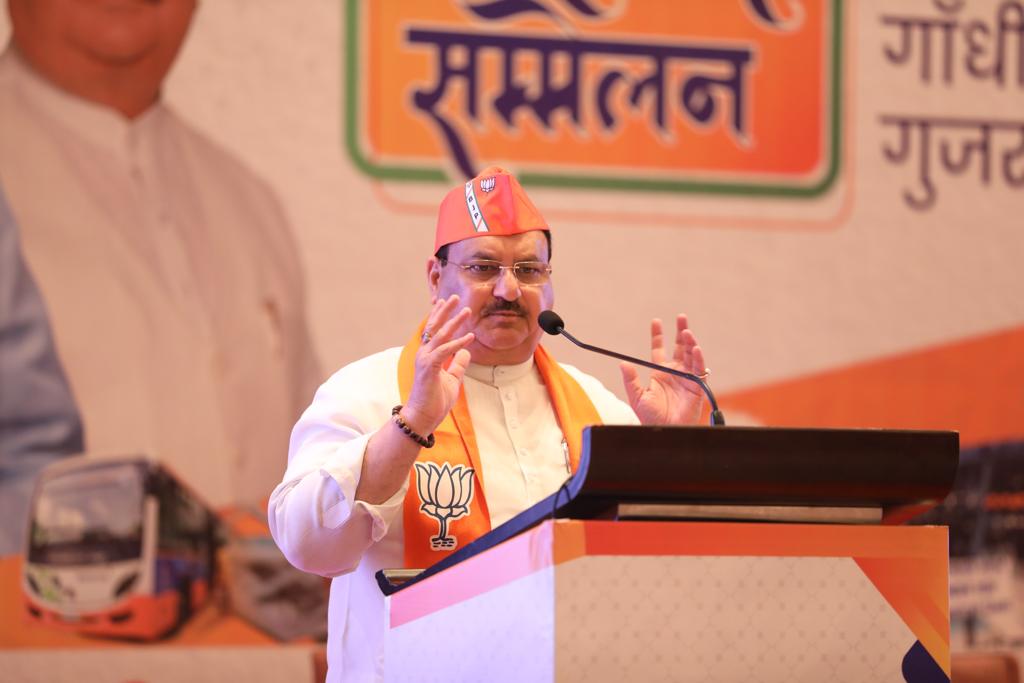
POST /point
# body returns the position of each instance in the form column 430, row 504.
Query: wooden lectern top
column 756, row 467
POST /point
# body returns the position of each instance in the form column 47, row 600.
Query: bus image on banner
column 116, row 547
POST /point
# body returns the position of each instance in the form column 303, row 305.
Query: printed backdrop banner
column 887, row 296
column 831, row 183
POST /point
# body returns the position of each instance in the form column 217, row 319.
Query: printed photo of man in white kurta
column 173, row 285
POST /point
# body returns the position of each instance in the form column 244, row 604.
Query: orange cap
column 493, row 203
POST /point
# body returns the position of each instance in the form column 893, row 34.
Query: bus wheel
column 185, row 601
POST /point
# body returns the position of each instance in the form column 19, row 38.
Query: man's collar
column 500, row 375
column 100, row 125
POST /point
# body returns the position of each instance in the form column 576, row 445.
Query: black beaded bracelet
column 426, row 443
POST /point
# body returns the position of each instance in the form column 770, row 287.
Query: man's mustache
column 504, row 306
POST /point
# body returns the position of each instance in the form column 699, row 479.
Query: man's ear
column 433, row 275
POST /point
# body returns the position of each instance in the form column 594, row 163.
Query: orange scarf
column 445, row 507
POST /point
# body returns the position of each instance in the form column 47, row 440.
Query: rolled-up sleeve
column 313, row 513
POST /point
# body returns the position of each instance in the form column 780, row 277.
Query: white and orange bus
column 117, row 547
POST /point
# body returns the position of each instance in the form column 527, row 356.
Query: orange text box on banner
column 726, row 97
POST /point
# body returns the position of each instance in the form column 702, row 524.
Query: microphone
column 552, row 323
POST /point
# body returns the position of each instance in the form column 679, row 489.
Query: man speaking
column 472, row 415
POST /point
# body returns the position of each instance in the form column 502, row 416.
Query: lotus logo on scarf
column 445, row 492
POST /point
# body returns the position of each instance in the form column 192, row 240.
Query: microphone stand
column 717, row 418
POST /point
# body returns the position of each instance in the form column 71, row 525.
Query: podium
column 549, row 597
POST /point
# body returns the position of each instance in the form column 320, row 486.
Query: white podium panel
column 655, row 601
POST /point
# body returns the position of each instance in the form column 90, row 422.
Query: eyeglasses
column 528, row 273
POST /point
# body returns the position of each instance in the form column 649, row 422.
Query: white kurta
column 321, row 528
column 173, row 286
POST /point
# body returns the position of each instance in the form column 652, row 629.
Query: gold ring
column 704, row 375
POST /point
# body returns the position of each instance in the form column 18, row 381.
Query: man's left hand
column 668, row 399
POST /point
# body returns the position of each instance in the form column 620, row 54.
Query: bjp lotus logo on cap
column 487, row 184
column 445, row 493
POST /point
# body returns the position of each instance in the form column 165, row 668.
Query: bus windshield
column 89, row 516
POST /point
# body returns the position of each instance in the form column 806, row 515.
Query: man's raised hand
column 668, row 399
column 440, row 364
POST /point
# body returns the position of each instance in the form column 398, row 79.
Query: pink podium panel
column 682, row 601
